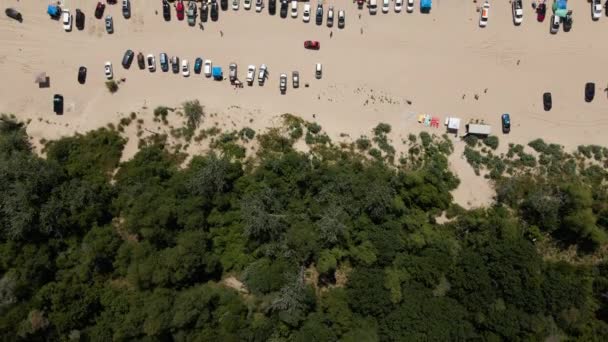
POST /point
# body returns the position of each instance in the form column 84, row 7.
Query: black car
column 127, row 59
column 79, row 20
column 568, row 23
column 283, row 9
column 214, row 11
column 198, row 65
column 506, row 123
column 589, row 91
column 319, row 18
column 272, row 7
column 547, row 102
column 204, row 12
column 126, row 9
column 99, row 10
column 175, row 64
column 166, row 10
column 82, row 75
column 58, row 104
column 224, row 5
column 13, row 13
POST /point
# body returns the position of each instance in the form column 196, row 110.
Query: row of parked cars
column 79, row 17
column 398, row 6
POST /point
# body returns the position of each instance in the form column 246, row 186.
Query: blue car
column 198, row 65
column 506, row 123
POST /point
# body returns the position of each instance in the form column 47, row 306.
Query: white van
column 373, row 6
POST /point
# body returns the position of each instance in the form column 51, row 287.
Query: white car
column 398, row 5
column 207, row 67
column 108, row 70
column 67, row 19
column 596, row 9
column 262, row 74
column 330, row 16
column 294, row 8
column 151, row 62
column 185, row 68
column 247, row 4
column 259, row 4
column 518, row 11
column 318, row 71
column 410, row 6
column 236, row 4
column 373, row 7
column 485, row 12
column 250, row 74
column 554, row 24
column 306, row 13
column 283, row 83
column 385, row 6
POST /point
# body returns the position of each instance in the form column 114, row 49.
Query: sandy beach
column 439, row 62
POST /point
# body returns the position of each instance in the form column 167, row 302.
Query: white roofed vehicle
column 306, row 13
column 398, row 5
column 185, row 68
column 294, row 8
column 207, row 66
column 518, row 11
column 259, row 4
column 485, row 12
column 410, row 6
column 66, row 18
column 250, row 74
column 554, row 24
column 596, row 9
column 151, row 62
column 385, row 6
column 236, row 4
column 263, row 73
column 108, row 70
column 247, row 4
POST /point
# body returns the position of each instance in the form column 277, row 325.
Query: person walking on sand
column 331, row 34
column 221, row 33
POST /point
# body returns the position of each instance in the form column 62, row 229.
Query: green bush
column 112, row 86
column 491, row 141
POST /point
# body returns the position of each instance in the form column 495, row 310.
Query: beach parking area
column 383, row 68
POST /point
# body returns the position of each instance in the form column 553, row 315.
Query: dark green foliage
column 329, row 245
column 471, row 140
column 491, row 141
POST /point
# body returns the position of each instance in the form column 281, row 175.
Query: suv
column 506, row 123
column 554, row 24
column 151, row 62
column 272, row 7
column 547, row 101
column 283, row 83
column 198, row 65
column 295, row 79
column 191, row 13
column 250, row 74
column 164, row 62
column 214, row 11
column 175, row 64
column 58, row 104
column 79, row 20
column 589, row 91
column 127, row 59
column 330, row 16
column 262, row 74
column 283, row 11
column 126, row 9
column 319, row 20
column 99, row 10
column 232, row 72
column 166, row 10
column 82, row 75
column 141, row 61
column 109, row 24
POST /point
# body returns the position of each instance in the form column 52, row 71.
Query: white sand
column 431, row 60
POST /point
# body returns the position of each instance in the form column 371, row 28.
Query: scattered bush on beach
column 491, row 141
column 112, row 86
column 363, row 143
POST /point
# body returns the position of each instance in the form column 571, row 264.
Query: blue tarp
column 217, row 72
column 562, row 4
column 426, row 4
column 53, row 10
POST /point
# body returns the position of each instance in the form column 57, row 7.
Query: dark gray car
column 126, row 9
column 127, row 59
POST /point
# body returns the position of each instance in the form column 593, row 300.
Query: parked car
column 127, row 59
column 554, row 24
column 398, row 5
column 13, row 13
column 232, row 72
column 485, row 13
column 306, row 13
column 294, row 8
column 263, row 73
column 207, row 66
column 506, row 123
column 373, row 7
column 198, row 65
column 66, row 18
column 319, row 15
column 259, row 5
column 58, row 104
column 79, row 20
column 410, row 6
column 204, row 12
column 215, row 12
column 341, row 19
column 99, row 9
column 224, row 5
column 283, row 11
column 589, row 91
column 164, row 62
column 82, row 75
column 283, row 83
column 360, row 3
column 179, row 9
column 250, row 74
column 141, row 61
column 166, row 10
column 126, row 9
column 568, row 23
column 312, row 45
column 518, row 11
column 247, row 4
column 318, row 71
column 330, row 16
column 272, row 7
column 108, row 70
column 191, row 13
column 385, row 6
column 175, row 64
column 547, row 101
column 541, row 11
column 236, row 4
column 596, row 9
column 109, row 24
column 151, row 62
column 185, row 68
column 295, row 79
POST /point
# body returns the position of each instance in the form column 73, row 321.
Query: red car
column 180, row 10
column 541, row 9
column 312, row 44
column 99, row 10
column 360, row 3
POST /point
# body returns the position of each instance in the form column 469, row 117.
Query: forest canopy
column 336, row 243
